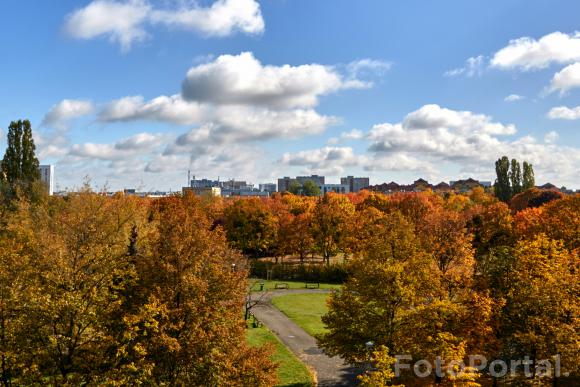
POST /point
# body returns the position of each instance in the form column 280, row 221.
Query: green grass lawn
column 291, row 371
column 271, row 284
column 305, row 310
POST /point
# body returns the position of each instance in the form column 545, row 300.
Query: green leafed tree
column 502, row 187
column 294, row 188
column 515, row 177
column 528, row 178
column 20, row 163
column 310, row 188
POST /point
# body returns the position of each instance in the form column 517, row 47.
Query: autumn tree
column 79, row 246
column 387, row 278
column 561, row 221
column 541, row 314
column 295, row 219
column 197, row 289
column 534, row 197
column 117, row 291
column 331, row 219
column 250, row 226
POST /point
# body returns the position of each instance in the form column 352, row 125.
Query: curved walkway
column 330, row 371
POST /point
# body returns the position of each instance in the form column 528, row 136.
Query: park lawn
column 291, row 371
column 271, row 284
column 306, row 310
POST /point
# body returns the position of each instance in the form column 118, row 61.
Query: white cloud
column 121, row 22
column 331, row 160
column 551, row 137
column 242, row 124
column 564, row 113
column 222, row 18
column 398, row 162
column 514, row 98
column 474, row 66
column 138, row 145
column 172, row 109
column 434, row 116
column 365, row 67
column 469, row 141
column 124, row 22
column 354, row 134
column 68, row 109
column 242, row 79
column 335, row 160
column 529, row 54
column 566, row 79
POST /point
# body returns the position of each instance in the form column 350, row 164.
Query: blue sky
column 134, row 93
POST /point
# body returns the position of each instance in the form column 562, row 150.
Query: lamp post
column 369, row 346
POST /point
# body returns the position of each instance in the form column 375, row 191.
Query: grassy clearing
column 306, row 310
column 271, row 284
column 291, row 371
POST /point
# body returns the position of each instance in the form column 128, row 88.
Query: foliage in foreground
column 97, row 290
column 431, row 278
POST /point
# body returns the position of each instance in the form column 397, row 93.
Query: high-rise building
column 355, row 184
column 47, row 177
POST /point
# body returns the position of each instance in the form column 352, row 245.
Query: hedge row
column 332, row 274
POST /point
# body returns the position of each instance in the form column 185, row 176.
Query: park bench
column 281, row 285
column 312, row 285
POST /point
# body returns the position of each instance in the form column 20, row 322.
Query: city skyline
column 136, row 93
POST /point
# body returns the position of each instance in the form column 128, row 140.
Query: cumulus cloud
column 530, row 54
column 66, row 110
column 566, row 79
column 398, row 162
column 467, row 140
column 564, row 113
column 434, row 116
column 514, row 98
column 121, row 22
column 125, row 22
column 332, row 160
column 335, row 160
column 139, row 144
column 243, row 80
column 222, row 18
column 551, row 137
column 354, row 134
column 243, row 124
column 171, row 109
column 474, row 66
column 367, row 67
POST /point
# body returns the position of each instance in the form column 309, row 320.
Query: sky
column 134, row 93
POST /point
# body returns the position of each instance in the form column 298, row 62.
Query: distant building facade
column 267, row 187
column 355, row 184
column 202, row 191
column 47, row 177
column 286, row 182
column 336, row 188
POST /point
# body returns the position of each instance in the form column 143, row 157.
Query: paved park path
column 330, row 371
